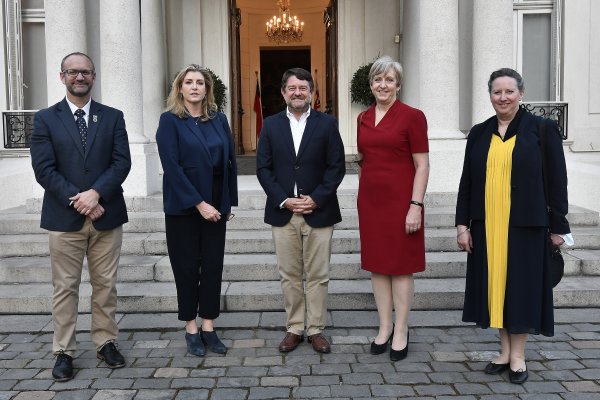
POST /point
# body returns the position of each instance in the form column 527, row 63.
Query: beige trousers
column 302, row 250
column 67, row 250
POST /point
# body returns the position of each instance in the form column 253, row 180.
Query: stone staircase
column 250, row 280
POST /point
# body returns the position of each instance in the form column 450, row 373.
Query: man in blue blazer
column 80, row 156
column 300, row 164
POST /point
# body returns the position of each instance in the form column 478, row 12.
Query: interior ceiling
column 270, row 6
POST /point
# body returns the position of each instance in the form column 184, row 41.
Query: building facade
column 448, row 49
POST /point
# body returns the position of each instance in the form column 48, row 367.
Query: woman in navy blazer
column 199, row 187
column 503, row 223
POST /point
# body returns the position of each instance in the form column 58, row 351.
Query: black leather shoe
column 381, row 348
column 194, row 344
column 63, row 368
column 518, row 377
column 495, row 369
column 397, row 355
column 111, row 356
column 212, row 341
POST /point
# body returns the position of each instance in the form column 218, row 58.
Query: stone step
column 153, row 297
column 253, row 199
column 262, row 267
column 259, row 241
column 16, row 221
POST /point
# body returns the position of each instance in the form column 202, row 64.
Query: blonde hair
column 175, row 103
column 382, row 66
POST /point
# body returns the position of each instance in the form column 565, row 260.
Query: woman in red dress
column 394, row 169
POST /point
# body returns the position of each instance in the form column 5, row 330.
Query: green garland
column 360, row 90
column 219, row 90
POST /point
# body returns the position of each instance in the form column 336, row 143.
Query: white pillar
column 65, row 32
column 153, row 65
column 492, row 49
column 438, row 67
column 122, row 82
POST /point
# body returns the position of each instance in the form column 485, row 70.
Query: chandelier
column 284, row 28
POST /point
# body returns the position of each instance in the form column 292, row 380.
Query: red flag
column 317, row 104
column 258, row 110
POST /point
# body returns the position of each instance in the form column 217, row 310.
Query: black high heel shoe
column 397, row 355
column 381, row 348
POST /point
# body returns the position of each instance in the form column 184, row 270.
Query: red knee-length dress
column 385, row 189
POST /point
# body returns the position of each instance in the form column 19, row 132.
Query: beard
column 79, row 92
column 300, row 108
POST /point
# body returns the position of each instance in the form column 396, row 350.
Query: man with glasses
column 80, row 156
column 300, row 164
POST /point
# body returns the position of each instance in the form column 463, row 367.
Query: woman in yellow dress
column 503, row 222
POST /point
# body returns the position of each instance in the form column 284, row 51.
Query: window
column 537, row 47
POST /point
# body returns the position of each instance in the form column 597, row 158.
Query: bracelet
column 417, row 203
column 466, row 230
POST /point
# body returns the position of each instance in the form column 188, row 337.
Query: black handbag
column 557, row 262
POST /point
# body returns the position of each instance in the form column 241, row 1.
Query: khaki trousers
column 302, row 250
column 67, row 250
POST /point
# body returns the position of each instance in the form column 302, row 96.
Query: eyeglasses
column 74, row 72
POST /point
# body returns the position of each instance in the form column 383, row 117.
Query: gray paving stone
column 311, row 392
column 505, row 388
column 285, row 381
column 112, row 383
column 582, row 386
column 320, row 380
column 263, row 361
column 207, row 372
column 152, row 383
column 145, row 394
column 391, row 391
column 406, row 378
column 580, row 396
column 362, row 378
column 472, row 388
column 6, row 395
column 434, row 390
column 560, row 375
column 6, row 385
column 330, row 369
column 82, row 394
column 247, row 371
column 184, row 383
column 351, row 391
column 33, row 384
column 35, row 395
column 238, row 382
column 290, row 370
column 446, row 377
column 541, row 396
column 268, row 393
column 589, row 373
column 114, row 395
column 198, row 394
column 544, row 387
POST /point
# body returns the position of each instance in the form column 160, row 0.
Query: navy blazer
column 528, row 204
column 63, row 169
column 186, row 162
column 318, row 169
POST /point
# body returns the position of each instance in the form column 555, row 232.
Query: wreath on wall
column 360, row 90
column 219, row 90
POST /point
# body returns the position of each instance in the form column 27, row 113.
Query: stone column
column 492, row 49
column 66, row 33
column 122, row 78
column 153, row 65
column 438, row 67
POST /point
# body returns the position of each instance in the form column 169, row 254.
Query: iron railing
column 18, row 127
column 18, row 124
column 555, row 110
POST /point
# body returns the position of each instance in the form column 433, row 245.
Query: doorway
column 273, row 63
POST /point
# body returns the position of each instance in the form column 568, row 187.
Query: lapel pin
column 94, row 118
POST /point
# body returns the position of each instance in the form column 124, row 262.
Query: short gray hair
column 383, row 65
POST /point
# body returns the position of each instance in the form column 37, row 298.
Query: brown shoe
column 319, row 343
column 290, row 342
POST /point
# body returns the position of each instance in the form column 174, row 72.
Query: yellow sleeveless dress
column 497, row 214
